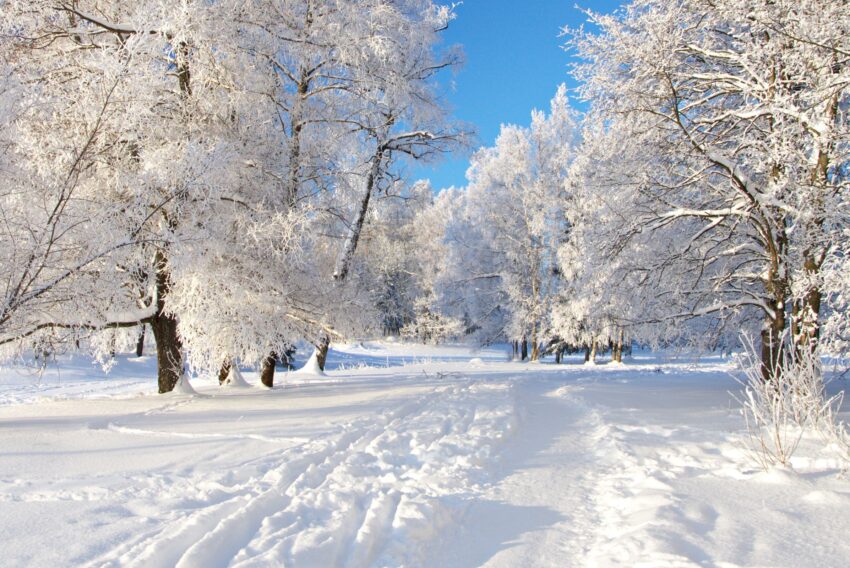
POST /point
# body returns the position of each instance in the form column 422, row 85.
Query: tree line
column 231, row 174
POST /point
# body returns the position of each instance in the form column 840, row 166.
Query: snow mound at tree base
column 311, row 367
column 184, row 387
column 235, row 379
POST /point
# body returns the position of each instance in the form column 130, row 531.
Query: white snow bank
column 675, row 484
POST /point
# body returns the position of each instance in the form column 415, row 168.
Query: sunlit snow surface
column 405, row 455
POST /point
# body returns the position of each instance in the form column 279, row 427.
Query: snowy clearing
column 405, row 455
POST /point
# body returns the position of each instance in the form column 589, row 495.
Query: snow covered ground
column 405, row 456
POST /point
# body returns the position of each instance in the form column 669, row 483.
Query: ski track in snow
column 453, row 463
column 375, row 489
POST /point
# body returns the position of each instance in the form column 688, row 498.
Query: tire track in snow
column 401, row 471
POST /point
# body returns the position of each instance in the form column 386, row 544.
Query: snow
column 405, row 455
column 311, row 367
column 235, row 379
column 183, row 387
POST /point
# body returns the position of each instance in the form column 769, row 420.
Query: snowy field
column 405, row 456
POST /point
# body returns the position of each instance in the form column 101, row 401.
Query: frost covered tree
column 56, row 230
column 394, row 254
column 153, row 107
column 399, row 112
column 402, row 115
column 128, row 110
column 732, row 182
column 311, row 55
column 506, row 237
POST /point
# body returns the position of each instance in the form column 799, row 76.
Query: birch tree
column 400, row 113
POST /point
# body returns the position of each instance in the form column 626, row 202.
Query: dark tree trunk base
column 224, row 371
column 140, row 344
column 267, row 368
column 322, row 351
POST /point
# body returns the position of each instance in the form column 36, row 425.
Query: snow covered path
column 396, row 460
column 536, row 510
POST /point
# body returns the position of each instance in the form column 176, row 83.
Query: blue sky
column 514, row 63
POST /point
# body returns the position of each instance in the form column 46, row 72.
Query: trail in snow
column 536, row 509
column 682, row 492
column 319, row 475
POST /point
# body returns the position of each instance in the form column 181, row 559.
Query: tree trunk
column 772, row 335
column 558, row 352
column 805, row 321
column 169, row 348
column 267, row 368
column 620, row 347
column 587, row 354
column 140, row 343
column 535, row 346
column 772, row 348
column 322, row 351
column 184, row 76
column 224, row 371
column 350, row 247
column 288, row 358
column 593, row 349
column 776, row 286
column 303, row 88
column 515, row 349
column 524, row 349
column 169, row 351
column 617, row 349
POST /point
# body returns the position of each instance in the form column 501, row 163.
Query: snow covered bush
column 793, row 401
